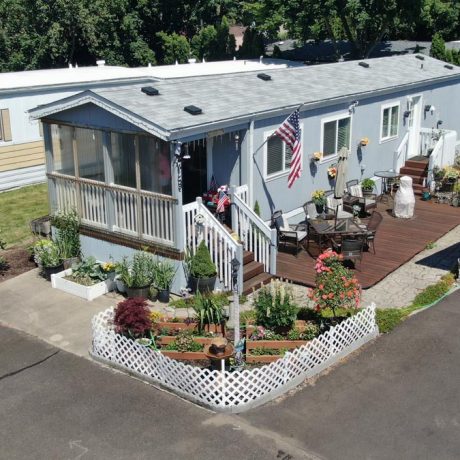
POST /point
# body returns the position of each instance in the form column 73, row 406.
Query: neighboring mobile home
column 132, row 161
column 21, row 140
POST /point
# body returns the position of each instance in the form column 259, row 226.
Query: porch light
column 237, row 141
column 186, row 155
column 352, row 106
column 430, row 108
column 406, row 114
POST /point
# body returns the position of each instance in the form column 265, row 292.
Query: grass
column 18, row 208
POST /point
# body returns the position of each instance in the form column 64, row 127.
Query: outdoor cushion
column 356, row 190
column 285, row 224
column 301, row 235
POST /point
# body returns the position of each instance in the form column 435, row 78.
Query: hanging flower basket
column 364, row 141
column 332, row 172
column 317, row 156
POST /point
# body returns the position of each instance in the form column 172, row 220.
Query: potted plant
column 332, row 172
column 367, row 186
column 319, row 198
column 364, row 141
column 132, row 318
column 316, row 156
column 67, row 226
column 48, row 257
column 202, row 271
column 138, row 274
column 163, row 276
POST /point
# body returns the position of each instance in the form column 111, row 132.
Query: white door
column 415, row 120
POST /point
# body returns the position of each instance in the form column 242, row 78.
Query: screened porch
column 118, row 182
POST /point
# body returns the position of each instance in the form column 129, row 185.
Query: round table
column 385, row 176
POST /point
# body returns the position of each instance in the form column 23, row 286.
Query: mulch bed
column 19, row 261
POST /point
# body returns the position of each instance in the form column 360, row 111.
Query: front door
column 415, row 120
column 194, row 172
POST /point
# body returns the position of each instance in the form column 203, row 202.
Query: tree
column 174, row 48
column 438, row 16
column 362, row 23
column 253, row 44
column 438, row 47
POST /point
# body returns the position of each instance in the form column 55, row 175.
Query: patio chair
column 355, row 196
column 371, row 228
column 350, row 249
column 294, row 235
column 336, row 205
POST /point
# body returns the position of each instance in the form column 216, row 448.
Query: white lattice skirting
column 225, row 391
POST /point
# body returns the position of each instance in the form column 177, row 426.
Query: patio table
column 385, row 176
column 324, row 230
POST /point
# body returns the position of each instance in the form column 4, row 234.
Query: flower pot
column 163, row 295
column 121, row 287
column 70, row 261
column 319, row 208
column 367, row 192
column 48, row 271
column 202, row 284
column 142, row 292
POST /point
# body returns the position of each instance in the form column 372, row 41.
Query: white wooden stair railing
column 254, row 233
column 401, row 153
column 200, row 224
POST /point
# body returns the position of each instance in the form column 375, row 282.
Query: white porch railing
column 243, row 193
column 401, row 153
column 141, row 214
column 254, row 233
column 200, row 224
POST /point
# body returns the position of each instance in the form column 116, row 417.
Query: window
column 61, row 142
column 5, row 125
column 123, row 159
column 336, row 134
column 278, row 157
column 390, row 122
column 155, row 165
column 89, row 154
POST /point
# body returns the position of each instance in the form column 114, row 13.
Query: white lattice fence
column 225, row 391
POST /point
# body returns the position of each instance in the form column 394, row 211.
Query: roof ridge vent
column 419, row 56
column 193, row 110
column 264, row 76
column 448, row 66
column 364, row 64
column 150, row 91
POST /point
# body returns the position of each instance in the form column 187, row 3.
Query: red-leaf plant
column 132, row 318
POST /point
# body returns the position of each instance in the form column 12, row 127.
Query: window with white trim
column 390, row 122
column 336, row 133
column 278, row 157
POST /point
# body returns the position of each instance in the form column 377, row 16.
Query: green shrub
column 431, row 294
column 201, row 264
column 248, row 317
column 67, row 236
column 184, row 342
column 208, row 310
column 163, row 274
column 274, row 306
column 88, row 272
column 389, row 318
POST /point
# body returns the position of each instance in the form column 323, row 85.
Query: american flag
column 290, row 133
column 213, row 184
column 221, row 203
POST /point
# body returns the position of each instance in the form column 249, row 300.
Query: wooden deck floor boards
column 397, row 241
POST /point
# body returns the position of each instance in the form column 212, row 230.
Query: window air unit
column 363, row 64
column 264, row 76
column 150, row 91
column 192, row 109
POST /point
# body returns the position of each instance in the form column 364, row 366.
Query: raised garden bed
column 167, row 339
column 184, row 356
column 171, row 325
column 59, row 281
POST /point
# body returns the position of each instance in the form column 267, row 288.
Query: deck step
column 256, row 282
column 419, row 164
column 252, row 269
column 408, row 171
column 248, row 256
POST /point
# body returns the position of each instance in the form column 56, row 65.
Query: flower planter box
column 167, row 339
column 185, row 356
column 262, row 358
column 184, row 326
column 58, row 281
column 271, row 344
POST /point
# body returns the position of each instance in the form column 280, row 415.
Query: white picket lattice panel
column 226, row 391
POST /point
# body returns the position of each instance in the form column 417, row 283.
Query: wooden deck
column 397, row 241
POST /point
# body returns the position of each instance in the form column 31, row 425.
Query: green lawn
column 18, row 208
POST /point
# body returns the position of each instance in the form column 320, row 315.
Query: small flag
column 213, row 184
column 223, row 198
column 291, row 134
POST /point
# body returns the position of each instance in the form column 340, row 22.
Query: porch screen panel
column 155, row 165
column 343, row 136
column 61, row 145
column 274, row 155
column 329, row 138
column 89, row 154
column 123, row 156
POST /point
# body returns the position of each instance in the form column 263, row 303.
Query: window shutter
column 343, row 137
column 329, row 138
column 6, row 125
column 274, row 155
